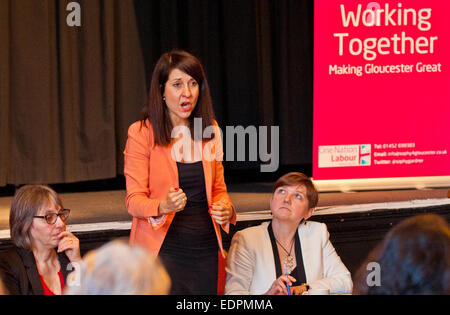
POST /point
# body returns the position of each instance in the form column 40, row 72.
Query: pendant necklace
column 289, row 260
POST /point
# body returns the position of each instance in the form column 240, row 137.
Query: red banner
column 381, row 89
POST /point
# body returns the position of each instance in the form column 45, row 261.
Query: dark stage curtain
column 258, row 56
column 67, row 94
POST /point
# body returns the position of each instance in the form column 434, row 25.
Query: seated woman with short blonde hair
column 288, row 251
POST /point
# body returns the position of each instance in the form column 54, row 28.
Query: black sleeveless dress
column 190, row 250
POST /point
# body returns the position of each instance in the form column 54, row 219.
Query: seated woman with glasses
column 41, row 259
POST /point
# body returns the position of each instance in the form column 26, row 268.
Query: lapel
column 171, row 161
column 207, row 169
column 306, row 249
column 207, row 163
column 64, row 263
column 167, row 152
column 268, row 255
column 32, row 272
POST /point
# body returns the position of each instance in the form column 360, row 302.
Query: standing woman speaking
column 176, row 191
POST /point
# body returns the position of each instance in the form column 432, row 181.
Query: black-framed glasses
column 51, row 218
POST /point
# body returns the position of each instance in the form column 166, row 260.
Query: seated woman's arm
column 240, row 262
column 337, row 278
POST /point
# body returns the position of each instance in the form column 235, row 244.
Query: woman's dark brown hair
column 298, row 179
column 156, row 110
column 25, row 204
column 413, row 258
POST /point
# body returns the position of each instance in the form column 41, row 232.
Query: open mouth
column 186, row 106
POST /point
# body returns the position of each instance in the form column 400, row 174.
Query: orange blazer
column 150, row 172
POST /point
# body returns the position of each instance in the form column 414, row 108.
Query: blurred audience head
column 31, row 201
column 413, row 258
column 119, row 269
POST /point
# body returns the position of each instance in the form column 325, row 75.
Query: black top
column 19, row 272
column 191, row 230
column 299, row 271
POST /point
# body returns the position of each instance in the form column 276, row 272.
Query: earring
column 164, row 98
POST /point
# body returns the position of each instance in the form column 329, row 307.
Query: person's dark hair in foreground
column 413, row 258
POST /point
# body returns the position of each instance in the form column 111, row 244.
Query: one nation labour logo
column 345, row 155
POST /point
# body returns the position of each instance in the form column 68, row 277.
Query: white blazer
column 251, row 266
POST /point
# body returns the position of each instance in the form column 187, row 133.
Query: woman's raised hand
column 69, row 244
column 221, row 212
column 175, row 201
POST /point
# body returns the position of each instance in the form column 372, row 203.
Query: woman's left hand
column 69, row 244
column 221, row 212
